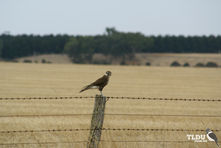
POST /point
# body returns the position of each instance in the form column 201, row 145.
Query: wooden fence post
column 97, row 122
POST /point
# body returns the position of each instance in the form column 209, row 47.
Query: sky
column 91, row 17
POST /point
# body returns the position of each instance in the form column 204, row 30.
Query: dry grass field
column 54, row 80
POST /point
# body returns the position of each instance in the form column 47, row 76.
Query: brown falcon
column 99, row 83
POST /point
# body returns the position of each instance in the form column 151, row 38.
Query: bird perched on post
column 211, row 136
column 99, row 83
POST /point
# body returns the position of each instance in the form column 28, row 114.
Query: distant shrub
column 27, row 61
column 148, row 64
column 199, row 65
column 186, row 65
column 175, row 64
column 123, row 62
column 36, row 61
column 211, row 64
column 43, row 61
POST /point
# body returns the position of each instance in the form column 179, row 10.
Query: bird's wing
column 96, row 83
column 99, row 81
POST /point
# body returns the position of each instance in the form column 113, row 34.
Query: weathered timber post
column 97, row 122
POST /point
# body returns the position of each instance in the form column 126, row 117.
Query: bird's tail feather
column 86, row 88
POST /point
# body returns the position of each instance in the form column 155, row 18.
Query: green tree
column 79, row 49
column 112, row 42
column 111, row 31
column 1, row 47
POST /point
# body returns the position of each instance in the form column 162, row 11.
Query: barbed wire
column 144, row 141
column 48, row 98
column 109, row 141
column 109, row 97
column 107, row 129
column 44, row 143
column 110, row 114
column 104, row 129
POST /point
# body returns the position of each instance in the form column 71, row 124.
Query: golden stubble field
column 54, row 80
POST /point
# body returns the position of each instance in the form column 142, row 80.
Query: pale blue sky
column 90, row 17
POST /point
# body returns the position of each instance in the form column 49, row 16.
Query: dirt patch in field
column 51, row 58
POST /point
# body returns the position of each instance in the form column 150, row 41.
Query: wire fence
column 101, row 141
column 108, row 129
column 110, row 114
column 43, row 143
column 106, row 114
column 108, row 97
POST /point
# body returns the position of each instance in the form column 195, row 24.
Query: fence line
column 49, row 98
column 108, row 97
column 117, row 141
column 43, row 143
column 109, row 129
column 109, row 141
column 110, row 114
column 144, row 141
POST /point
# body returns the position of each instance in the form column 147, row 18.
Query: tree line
column 25, row 45
column 81, row 48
